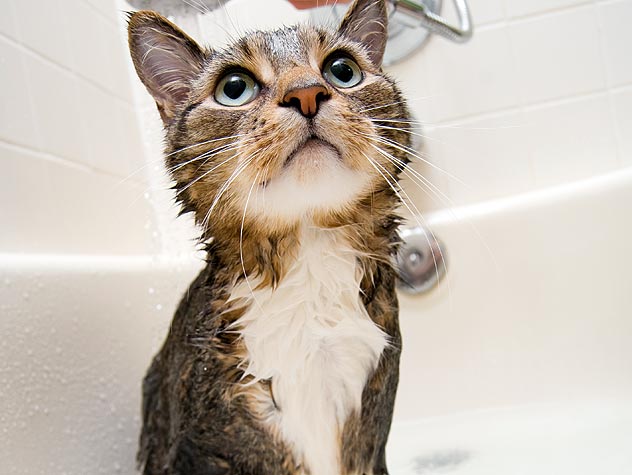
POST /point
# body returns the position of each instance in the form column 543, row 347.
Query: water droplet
column 159, row 307
column 151, row 290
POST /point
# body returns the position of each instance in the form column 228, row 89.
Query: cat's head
column 280, row 127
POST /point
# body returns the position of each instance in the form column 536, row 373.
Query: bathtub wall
column 69, row 134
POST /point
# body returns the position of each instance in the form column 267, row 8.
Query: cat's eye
column 236, row 89
column 342, row 72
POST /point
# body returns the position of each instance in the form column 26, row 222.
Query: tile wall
column 541, row 95
column 69, row 135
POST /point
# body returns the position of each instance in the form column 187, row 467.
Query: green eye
column 236, row 89
column 342, row 72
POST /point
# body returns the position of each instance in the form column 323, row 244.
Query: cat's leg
column 152, row 452
column 365, row 434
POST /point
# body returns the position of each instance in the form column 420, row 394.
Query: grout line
column 560, row 100
column 622, row 88
column 49, row 157
column 532, row 179
column 110, row 20
column 540, row 14
column 511, row 21
column 618, row 140
column 36, row 54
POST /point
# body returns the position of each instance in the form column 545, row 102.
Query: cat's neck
column 370, row 229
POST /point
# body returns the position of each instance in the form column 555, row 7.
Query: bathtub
column 520, row 361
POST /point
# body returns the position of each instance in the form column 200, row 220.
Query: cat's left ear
column 166, row 59
column 366, row 22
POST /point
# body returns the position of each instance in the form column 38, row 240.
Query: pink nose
column 306, row 99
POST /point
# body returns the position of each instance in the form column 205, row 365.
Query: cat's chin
column 312, row 156
column 315, row 179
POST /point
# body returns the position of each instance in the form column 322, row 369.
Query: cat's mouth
column 313, row 148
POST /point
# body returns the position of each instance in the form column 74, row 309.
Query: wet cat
column 282, row 358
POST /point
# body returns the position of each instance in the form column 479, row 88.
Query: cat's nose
column 306, row 99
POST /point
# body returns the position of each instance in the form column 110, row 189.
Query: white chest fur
column 313, row 338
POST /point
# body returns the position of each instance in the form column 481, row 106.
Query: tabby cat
column 282, row 357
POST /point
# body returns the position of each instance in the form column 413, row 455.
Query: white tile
column 118, row 63
column 8, row 25
column 460, row 80
column 111, row 130
column 130, row 153
column 24, row 189
column 517, row 8
column 97, row 49
column 17, row 122
column 558, row 55
column 97, row 214
column 623, row 115
column 98, row 123
column 617, row 31
column 57, row 114
column 488, row 157
column 43, row 26
column 50, row 207
column 571, row 140
column 108, row 8
column 431, row 191
column 484, row 11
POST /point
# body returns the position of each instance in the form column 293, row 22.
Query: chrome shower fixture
column 410, row 21
column 421, row 261
column 410, row 24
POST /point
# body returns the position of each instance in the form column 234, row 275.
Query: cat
column 282, row 358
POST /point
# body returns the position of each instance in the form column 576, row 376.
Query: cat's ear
column 166, row 60
column 366, row 22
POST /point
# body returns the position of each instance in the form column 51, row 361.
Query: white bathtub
column 520, row 362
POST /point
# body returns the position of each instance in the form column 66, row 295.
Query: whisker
column 161, row 158
column 408, row 131
column 414, row 154
column 205, row 156
column 411, row 173
column 226, row 185
column 199, row 7
column 241, row 245
column 415, row 215
column 205, row 174
column 199, row 144
column 403, row 101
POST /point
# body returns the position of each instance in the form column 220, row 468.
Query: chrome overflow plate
column 421, row 261
column 409, row 25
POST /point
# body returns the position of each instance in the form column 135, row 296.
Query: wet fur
column 200, row 405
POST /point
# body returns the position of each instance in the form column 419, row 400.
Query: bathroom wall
column 541, row 95
column 92, row 261
column 70, row 144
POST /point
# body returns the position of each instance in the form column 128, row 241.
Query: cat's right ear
column 166, row 60
column 366, row 22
